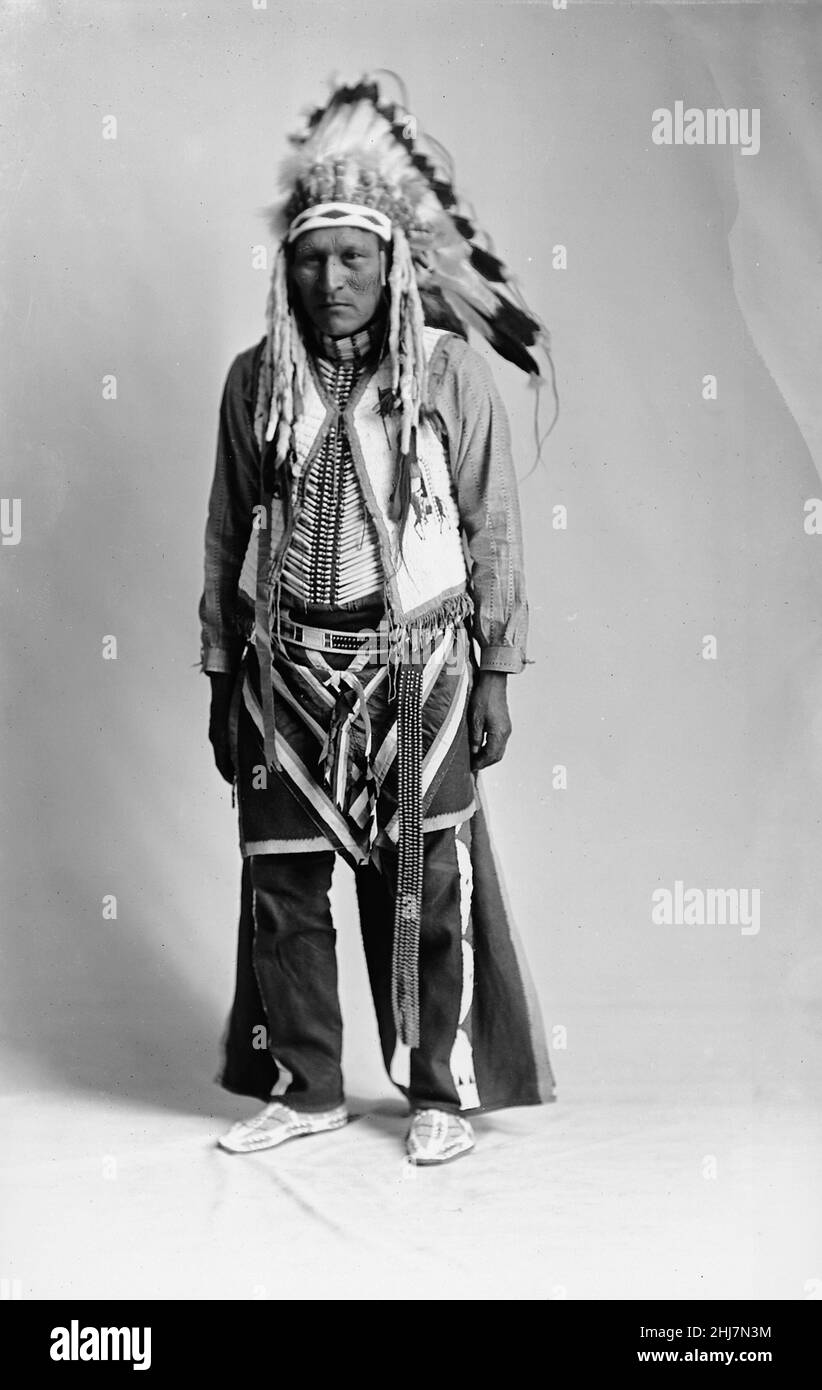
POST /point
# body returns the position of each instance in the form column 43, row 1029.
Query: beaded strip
column 408, row 903
column 334, row 555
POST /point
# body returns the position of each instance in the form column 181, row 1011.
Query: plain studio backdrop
column 682, row 1156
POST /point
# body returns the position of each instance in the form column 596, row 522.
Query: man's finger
column 476, row 728
column 493, row 750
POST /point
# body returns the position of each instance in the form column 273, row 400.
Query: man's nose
column 332, row 276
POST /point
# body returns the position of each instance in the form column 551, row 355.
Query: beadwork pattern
column 334, row 555
column 408, row 903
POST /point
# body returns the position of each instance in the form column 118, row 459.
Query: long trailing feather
column 439, row 313
column 506, row 344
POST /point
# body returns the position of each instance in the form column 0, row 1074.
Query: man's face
column 336, row 272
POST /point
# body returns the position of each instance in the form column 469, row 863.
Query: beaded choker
column 354, row 347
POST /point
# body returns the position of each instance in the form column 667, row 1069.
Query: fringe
column 409, row 642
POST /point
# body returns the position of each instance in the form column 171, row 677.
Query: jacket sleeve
column 471, row 409
column 234, row 493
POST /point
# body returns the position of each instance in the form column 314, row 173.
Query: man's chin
column 338, row 323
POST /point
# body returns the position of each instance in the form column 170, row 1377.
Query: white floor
column 681, row 1159
column 105, row 1198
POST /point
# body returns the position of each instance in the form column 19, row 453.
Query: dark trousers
column 296, row 967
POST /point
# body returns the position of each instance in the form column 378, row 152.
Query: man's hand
column 489, row 723
column 222, row 685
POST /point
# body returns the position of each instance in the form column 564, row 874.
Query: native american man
column 363, row 608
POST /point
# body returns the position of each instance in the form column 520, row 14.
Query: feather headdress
column 362, row 152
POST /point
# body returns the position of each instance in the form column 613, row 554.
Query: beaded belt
column 320, row 639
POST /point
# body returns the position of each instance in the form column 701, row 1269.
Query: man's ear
column 383, row 275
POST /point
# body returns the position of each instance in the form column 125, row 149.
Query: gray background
column 133, row 256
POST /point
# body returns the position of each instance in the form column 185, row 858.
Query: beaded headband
column 323, row 215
